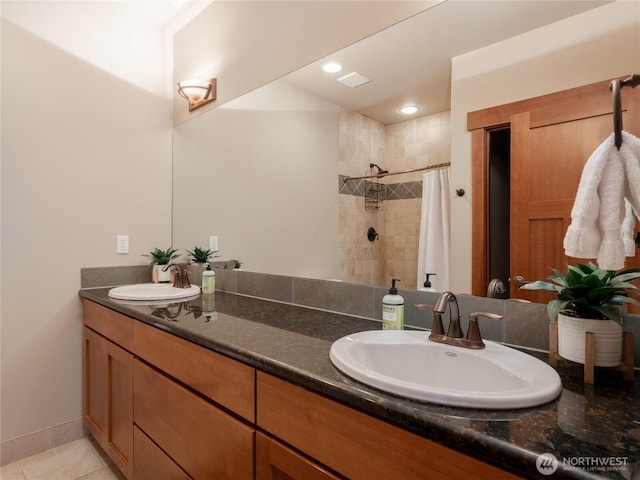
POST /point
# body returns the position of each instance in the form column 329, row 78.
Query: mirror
column 263, row 172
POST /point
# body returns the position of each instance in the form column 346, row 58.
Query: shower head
column 380, row 170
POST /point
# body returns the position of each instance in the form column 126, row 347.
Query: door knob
column 519, row 281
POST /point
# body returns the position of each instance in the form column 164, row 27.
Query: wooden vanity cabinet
column 107, row 386
column 164, row 408
column 180, row 410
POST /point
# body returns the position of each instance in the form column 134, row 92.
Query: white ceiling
column 411, row 62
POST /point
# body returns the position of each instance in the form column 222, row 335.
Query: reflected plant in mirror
column 200, row 256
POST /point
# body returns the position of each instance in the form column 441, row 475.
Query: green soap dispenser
column 393, row 309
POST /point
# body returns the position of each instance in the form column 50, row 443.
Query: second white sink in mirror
column 152, row 291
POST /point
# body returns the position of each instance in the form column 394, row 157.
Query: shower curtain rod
column 380, row 175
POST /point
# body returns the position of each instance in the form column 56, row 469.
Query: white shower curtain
column 433, row 249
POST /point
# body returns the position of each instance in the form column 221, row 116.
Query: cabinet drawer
column 223, row 380
column 205, row 442
column 275, row 461
column 115, row 326
column 355, row 444
column 151, row 462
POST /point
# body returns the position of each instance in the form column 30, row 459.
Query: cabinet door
column 108, row 398
column 95, row 385
column 274, row 461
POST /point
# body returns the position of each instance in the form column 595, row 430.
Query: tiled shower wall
column 402, row 146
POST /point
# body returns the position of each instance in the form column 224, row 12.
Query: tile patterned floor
column 78, row 460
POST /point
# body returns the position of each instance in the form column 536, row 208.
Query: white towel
column 630, row 153
column 583, row 237
column 606, row 205
column 628, row 224
column 611, row 214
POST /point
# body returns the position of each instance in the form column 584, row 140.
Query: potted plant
column 159, row 259
column 200, row 256
column 589, row 299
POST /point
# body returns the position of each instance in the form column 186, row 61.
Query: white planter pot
column 158, row 276
column 608, row 340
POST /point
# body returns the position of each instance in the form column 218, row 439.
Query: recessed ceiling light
column 409, row 109
column 332, row 67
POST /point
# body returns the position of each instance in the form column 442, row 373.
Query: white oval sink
column 152, row 291
column 408, row 364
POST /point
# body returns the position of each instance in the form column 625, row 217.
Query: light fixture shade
column 197, row 92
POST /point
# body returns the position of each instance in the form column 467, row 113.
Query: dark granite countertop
column 593, row 431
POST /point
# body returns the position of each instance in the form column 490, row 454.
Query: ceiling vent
column 354, row 79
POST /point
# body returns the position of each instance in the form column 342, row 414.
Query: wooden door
column 551, row 139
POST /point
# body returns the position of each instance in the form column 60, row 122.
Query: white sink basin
column 152, row 291
column 408, row 364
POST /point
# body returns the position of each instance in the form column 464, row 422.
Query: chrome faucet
column 454, row 335
column 181, row 274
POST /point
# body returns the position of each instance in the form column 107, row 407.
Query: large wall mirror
column 264, row 172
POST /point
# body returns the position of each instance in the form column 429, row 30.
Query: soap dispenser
column 208, row 280
column 393, row 309
column 427, row 284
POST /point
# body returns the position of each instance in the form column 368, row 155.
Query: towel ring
column 633, row 81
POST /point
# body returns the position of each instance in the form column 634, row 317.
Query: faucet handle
column 473, row 333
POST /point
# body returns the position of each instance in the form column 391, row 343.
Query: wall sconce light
column 198, row 92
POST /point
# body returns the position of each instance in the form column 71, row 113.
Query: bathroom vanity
column 175, row 391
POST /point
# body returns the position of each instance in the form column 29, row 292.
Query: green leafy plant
column 200, row 255
column 162, row 257
column 587, row 291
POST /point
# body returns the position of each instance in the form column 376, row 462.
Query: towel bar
column 633, row 81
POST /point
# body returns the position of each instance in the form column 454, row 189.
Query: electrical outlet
column 213, row 244
column 122, row 244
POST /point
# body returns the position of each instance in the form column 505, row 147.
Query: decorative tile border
column 393, row 191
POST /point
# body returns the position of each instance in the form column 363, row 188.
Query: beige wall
column 86, row 155
column 600, row 44
column 260, row 172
